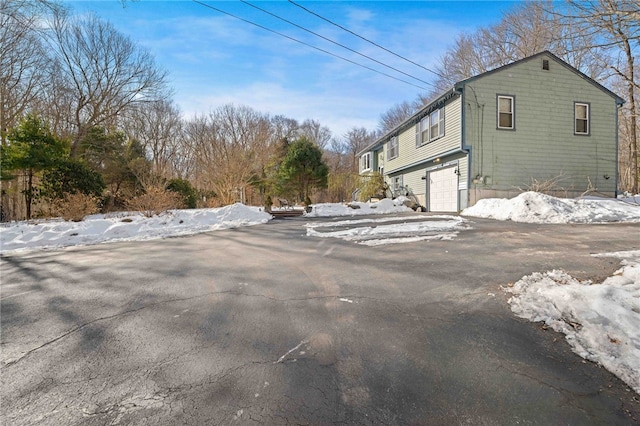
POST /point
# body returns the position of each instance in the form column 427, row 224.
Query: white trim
column 391, row 152
column 512, row 112
column 368, row 157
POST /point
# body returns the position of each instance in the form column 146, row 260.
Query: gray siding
column 409, row 154
column 543, row 145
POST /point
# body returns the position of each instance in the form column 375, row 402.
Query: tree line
column 88, row 123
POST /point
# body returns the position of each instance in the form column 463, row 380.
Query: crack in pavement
column 230, row 292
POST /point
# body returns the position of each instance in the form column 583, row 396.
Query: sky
column 600, row 320
column 214, row 59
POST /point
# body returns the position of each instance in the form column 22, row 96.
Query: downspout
column 617, row 161
column 463, row 134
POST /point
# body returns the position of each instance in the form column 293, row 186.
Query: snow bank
column 391, row 230
column 533, row 207
column 356, row 208
column 601, row 321
column 125, row 227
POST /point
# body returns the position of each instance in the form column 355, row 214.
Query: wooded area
column 88, row 122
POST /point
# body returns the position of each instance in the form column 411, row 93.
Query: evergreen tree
column 303, row 168
column 31, row 149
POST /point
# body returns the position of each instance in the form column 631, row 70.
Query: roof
column 437, row 103
column 459, row 86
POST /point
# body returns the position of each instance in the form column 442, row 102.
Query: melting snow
column 601, row 321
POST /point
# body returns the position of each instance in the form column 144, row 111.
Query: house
column 493, row 135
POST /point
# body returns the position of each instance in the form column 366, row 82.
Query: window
column 506, row 112
column 392, row 148
column 436, row 128
column 545, row 64
column 424, row 130
column 396, row 185
column 365, row 162
column 582, row 119
column 430, row 127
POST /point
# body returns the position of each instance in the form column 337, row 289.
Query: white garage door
column 443, row 190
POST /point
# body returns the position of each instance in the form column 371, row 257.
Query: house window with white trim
column 365, row 162
column 424, row 130
column 581, row 111
column 396, row 185
column 506, row 112
column 436, row 124
column 430, row 127
column 392, row 148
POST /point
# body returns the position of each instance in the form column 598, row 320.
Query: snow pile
column 356, row 208
column 96, row 229
column 390, row 230
column 601, row 321
column 533, row 207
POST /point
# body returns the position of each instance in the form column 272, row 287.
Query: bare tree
column 103, row 71
column 315, row 132
column 613, row 28
column 395, row 115
column 231, row 147
column 357, row 139
column 157, row 126
column 526, row 29
column 23, row 59
column 284, row 128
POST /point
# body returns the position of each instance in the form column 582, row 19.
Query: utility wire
column 306, row 44
column 365, row 39
column 334, row 42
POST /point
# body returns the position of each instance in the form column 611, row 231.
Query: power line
column 334, row 42
column 306, row 44
column 365, row 39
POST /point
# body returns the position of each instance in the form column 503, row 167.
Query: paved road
column 266, row 325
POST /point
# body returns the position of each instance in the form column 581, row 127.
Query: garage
column 443, row 190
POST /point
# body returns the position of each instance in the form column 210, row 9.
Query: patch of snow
column 355, row 208
column 601, row 321
column 533, row 207
column 96, row 229
column 374, row 232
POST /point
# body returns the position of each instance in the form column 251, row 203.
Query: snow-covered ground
column 391, row 229
column 533, row 207
column 600, row 320
column 132, row 226
column 355, row 208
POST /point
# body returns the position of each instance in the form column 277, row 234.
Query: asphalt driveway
column 267, row 325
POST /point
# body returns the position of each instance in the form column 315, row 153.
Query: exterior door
column 443, row 190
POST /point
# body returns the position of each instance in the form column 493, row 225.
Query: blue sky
column 214, row 59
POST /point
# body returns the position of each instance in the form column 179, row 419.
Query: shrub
column 155, row 200
column 68, row 176
column 186, row 191
column 547, row 186
column 372, row 186
column 74, row 206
